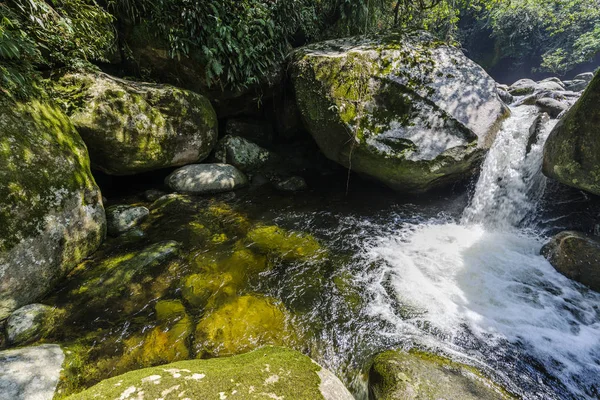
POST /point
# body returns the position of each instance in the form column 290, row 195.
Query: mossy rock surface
column 131, row 127
column 572, row 150
column 399, row 375
column 51, row 213
column 266, row 373
column 243, row 324
column 407, row 110
column 288, row 245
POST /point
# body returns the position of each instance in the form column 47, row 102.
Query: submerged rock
column 551, row 106
column 292, row 184
column 241, row 153
column 269, row 372
column 572, row 151
column 397, row 375
column 576, row 256
column 30, row 373
column 51, row 213
column 131, row 127
column 243, row 324
column 409, row 111
column 121, row 218
column 206, row 178
column 31, row 322
column 285, row 244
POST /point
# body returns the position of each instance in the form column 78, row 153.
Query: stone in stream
column 585, row 76
column 505, row 96
column 241, row 153
column 269, row 373
column 535, row 129
column 576, row 85
column 551, row 106
column 576, row 256
column 51, row 213
column 404, row 109
column 131, row 127
column 31, row 322
column 243, row 324
column 398, row 375
column 30, row 373
column 206, row 179
column 572, row 151
column 549, row 85
column 292, row 184
column 121, row 218
column 523, row 87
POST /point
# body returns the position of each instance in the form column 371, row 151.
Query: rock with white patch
column 266, row 373
column 30, row 373
column 51, row 213
column 31, row 322
column 121, row 218
column 414, row 129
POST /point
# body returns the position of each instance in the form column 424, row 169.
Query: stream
column 458, row 274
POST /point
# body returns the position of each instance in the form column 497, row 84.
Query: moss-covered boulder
column 243, row 324
column 572, row 151
column 409, row 111
column 576, row 256
column 266, row 373
column 398, row 375
column 132, row 127
column 51, row 213
column 32, row 322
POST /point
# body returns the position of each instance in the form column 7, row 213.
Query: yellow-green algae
column 269, row 372
column 285, row 244
column 243, row 324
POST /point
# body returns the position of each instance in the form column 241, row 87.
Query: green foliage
column 38, row 34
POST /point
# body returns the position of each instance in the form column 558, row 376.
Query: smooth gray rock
column 121, row 218
column 241, row 153
column 30, row 373
column 206, row 178
column 30, row 322
column 551, row 106
column 550, row 85
column 586, row 76
column 553, row 79
column 576, row 85
column 535, row 129
column 505, row 96
column 292, row 184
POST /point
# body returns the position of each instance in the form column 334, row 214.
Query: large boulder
column 131, row 127
column 576, row 256
column 398, row 375
column 51, row 213
column 266, row 373
column 572, row 151
column 30, row 373
column 407, row 110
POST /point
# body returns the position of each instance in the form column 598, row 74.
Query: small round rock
column 121, row 218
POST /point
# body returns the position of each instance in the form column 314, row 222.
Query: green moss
column 269, row 372
column 43, row 163
column 241, row 325
column 285, row 244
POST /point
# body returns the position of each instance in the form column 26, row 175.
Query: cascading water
column 480, row 289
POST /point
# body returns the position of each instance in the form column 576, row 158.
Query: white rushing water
column 480, row 287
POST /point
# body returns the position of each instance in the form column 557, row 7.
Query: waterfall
column 511, row 180
column 480, row 288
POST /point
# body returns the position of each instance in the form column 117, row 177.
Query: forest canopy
column 239, row 42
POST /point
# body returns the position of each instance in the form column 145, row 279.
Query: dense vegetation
column 241, row 41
